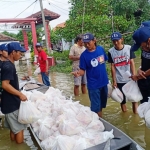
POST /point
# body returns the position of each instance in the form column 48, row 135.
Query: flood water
column 128, row 122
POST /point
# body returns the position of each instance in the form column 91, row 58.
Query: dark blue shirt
column 94, row 65
column 9, row 102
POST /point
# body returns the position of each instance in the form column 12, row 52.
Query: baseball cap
column 145, row 24
column 116, row 36
column 15, row 46
column 3, row 47
column 88, row 37
column 139, row 36
column 38, row 45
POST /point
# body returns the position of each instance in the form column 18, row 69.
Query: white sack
column 36, row 95
column 28, row 113
column 132, row 91
column 37, row 71
column 70, row 127
column 80, row 144
column 96, row 125
column 117, row 95
column 143, row 108
column 64, row 143
column 85, row 116
column 48, row 143
column 147, row 118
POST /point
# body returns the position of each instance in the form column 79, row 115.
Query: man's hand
column 46, row 72
column 141, row 73
column 22, row 97
column 114, row 84
column 134, row 78
column 76, row 73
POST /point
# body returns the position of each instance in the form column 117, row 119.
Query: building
column 6, row 39
column 63, row 44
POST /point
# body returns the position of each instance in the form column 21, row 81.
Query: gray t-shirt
column 121, row 60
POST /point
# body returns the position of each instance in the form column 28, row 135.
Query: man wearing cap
column 141, row 38
column 76, row 50
column 121, row 59
column 92, row 60
column 42, row 56
column 11, row 96
column 3, row 57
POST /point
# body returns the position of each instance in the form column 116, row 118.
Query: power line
column 34, row 7
column 56, row 7
column 59, row 7
column 59, row 2
column 25, row 9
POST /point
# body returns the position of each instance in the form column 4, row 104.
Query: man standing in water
column 43, row 64
column 92, row 60
column 76, row 50
column 3, row 57
column 11, row 96
column 122, row 60
column 142, row 39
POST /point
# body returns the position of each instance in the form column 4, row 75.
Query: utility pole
column 112, row 20
column 44, row 25
column 83, row 16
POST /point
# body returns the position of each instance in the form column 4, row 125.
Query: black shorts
column 144, row 86
column 120, row 85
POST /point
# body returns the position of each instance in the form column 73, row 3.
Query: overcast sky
column 11, row 8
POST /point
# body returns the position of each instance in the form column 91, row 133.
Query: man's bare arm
column 7, row 87
column 74, row 58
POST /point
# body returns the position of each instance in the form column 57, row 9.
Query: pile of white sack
column 63, row 124
column 144, row 112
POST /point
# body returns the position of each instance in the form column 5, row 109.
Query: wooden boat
column 121, row 141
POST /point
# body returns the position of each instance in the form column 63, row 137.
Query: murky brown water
column 128, row 122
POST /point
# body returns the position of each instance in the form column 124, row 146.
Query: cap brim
column 23, row 49
column 135, row 47
column 86, row 41
column 115, row 39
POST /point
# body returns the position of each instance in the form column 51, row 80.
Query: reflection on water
column 128, row 122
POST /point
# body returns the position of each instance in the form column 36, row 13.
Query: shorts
column 80, row 80
column 98, row 98
column 144, row 86
column 11, row 122
column 120, row 85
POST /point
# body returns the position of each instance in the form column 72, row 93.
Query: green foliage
column 55, row 37
column 13, row 35
column 64, row 67
column 19, row 35
column 127, row 16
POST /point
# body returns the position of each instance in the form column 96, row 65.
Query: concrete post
column 34, row 37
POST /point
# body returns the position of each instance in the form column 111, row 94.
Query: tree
column 97, row 19
column 19, row 35
column 13, row 35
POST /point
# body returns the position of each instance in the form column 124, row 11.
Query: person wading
column 11, row 96
column 42, row 56
column 76, row 50
column 92, row 60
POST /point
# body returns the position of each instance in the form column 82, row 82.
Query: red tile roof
column 53, row 15
column 61, row 25
column 4, row 37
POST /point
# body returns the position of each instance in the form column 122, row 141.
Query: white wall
column 66, row 45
